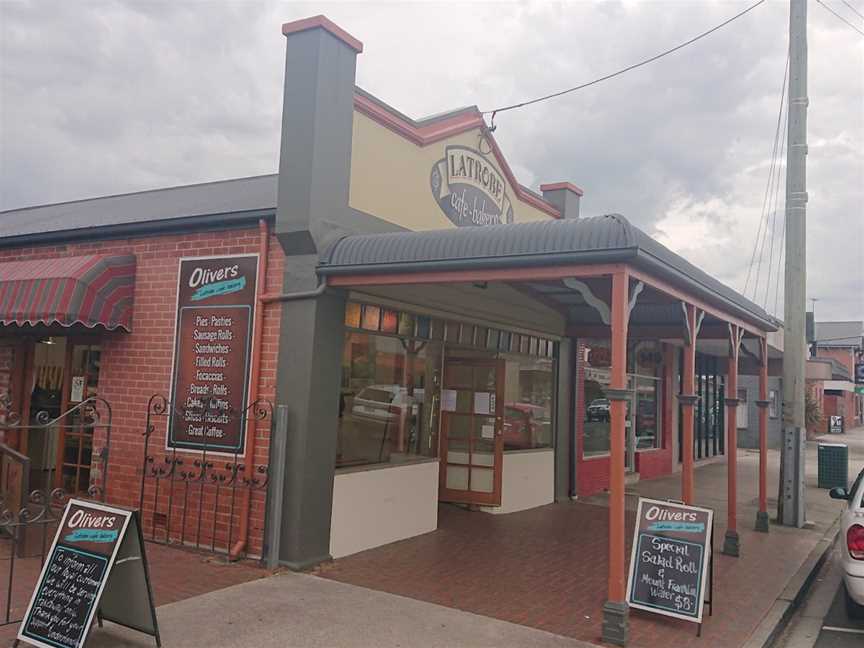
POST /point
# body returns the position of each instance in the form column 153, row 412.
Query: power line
column 764, row 213
column 854, row 10
column 626, row 69
column 774, row 212
column 840, row 17
column 780, row 258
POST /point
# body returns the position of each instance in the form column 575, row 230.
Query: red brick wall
column 847, row 358
column 136, row 365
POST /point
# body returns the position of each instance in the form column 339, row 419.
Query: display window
column 643, row 407
column 390, row 397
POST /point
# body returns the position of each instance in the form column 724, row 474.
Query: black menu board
column 91, row 541
column 670, row 558
column 216, row 299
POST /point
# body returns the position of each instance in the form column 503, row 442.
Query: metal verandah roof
column 92, row 290
column 600, row 239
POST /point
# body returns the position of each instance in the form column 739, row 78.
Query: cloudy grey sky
column 103, row 97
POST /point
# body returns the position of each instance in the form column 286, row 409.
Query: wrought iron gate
column 193, row 497
column 29, row 518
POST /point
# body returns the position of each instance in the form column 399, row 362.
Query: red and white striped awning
column 93, row 290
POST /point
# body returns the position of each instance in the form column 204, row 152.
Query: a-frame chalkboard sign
column 96, row 568
column 671, row 565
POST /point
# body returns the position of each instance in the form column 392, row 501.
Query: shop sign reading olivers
column 212, row 343
column 469, row 189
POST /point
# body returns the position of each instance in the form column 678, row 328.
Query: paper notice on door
column 448, row 400
column 77, row 389
column 482, row 402
column 487, row 431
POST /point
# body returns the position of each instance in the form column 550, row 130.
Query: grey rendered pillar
column 313, row 189
column 309, row 370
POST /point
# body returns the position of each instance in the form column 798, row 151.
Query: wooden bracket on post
column 635, row 291
column 736, row 334
column 691, row 329
column 590, row 298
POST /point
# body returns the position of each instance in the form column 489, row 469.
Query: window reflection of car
column 524, row 425
column 598, row 410
column 384, row 403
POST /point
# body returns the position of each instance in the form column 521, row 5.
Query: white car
column 385, row 403
column 851, row 545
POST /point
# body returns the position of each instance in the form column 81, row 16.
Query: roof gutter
column 227, row 220
column 652, row 263
column 484, row 263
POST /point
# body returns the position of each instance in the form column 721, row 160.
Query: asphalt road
column 838, row 630
column 821, row 621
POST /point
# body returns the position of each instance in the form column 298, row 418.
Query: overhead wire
column 780, row 168
column 651, row 59
column 780, row 258
column 840, row 17
column 769, row 191
column 764, row 213
column 854, row 10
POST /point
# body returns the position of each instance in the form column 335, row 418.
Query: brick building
column 429, row 329
column 841, row 344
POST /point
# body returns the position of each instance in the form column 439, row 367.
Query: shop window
column 388, row 400
column 389, row 321
column 773, row 403
column 642, row 417
column 352, row 315
column 597, row 407
column 647, row 419
column 406, row 324
column 528, row 401
column 371, row 317
column 742, row 410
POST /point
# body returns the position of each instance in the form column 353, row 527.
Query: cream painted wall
column 375, row 507
column 390, row 177
column 528, row 481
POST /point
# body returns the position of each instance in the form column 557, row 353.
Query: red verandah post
column 688, row 403
column 731, row 544
column 763, row 403
column 615, row 610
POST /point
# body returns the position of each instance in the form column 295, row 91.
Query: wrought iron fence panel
column 191, row 497
column 29, row 518
column 91, row 418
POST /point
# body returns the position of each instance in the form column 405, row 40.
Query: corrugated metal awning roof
column 600, row 239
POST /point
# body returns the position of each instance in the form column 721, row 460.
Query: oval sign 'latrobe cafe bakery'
column 426, row 321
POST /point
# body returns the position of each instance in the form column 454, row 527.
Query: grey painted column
column 563, row 421
column 314, row 182
column 317, row 127
column 310, row 365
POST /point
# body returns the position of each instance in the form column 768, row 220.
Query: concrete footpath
column 289, row 610
column 544, row 587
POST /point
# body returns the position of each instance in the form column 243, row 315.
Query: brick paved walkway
column 176, row 574
column 547, row 567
